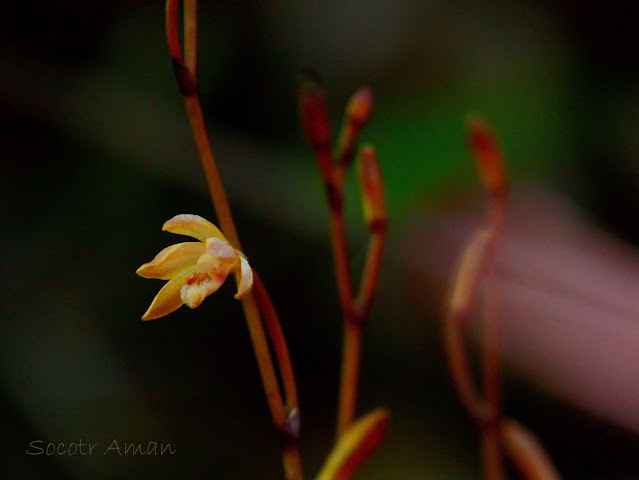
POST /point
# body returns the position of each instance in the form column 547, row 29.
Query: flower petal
column 168, row 298
column 194, row 293
column 222, row 250
column 193, row 226
column 243, row 277
column 172, row 260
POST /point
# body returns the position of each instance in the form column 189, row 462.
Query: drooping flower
column 194, row 270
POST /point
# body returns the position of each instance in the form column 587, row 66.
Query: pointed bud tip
column 487, row 155
column 360, row 106
column 482, row 139
column 372, row 185
column 314, row 111
column 355, row 445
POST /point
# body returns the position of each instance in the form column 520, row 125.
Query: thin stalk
column 211, row 172
column 340, row 260
column 459, row 368
column 370, row 274
column 186, row 74
column 491, row 454
column 278, row 342
column 352, row 339
column 353, row 331
column 351, row 354
column 492, row 458
column 190, row 36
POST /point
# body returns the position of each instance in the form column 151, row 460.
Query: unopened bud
column 488, row 157
column 355, row 445
column 314, row 112
column 372, row 185
column 360, row 107
column 358, row 111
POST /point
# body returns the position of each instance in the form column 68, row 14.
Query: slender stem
column 491, row 352
column 491, row 369
column 264, row 360
column 526, row 452
column 274, row 329
column 223, row 212
column 491, row 454
column 459, row 368
column 186, row 74
column 172, row 34
column 351, row 353
column 290, row 452
column 463, row 298
column 351, row 346
column 353, row 330
column 207, row 158
column 190, row 36
column 340, row 260
column 292, row 462
column 490, row 312
column 370, row 274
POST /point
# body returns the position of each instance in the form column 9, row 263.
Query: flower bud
column 372, row 185
column 488, row 157
column 360, row 107
column 357, row 443
column 358, row 111
column 314, row 113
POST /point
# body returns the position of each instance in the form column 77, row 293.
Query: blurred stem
column 190, row 36
column 526, row 452
column 340, row 258
column 492, row 463
column 460, row 372
column 207, row 158
column 370, row 274
column 186, row 75
column 463, row 298
column 355, row 311
column 353, row 331
column 278, row 341
column 491, row 352
column 292, row 462
column 351, row 354
column 351, row 346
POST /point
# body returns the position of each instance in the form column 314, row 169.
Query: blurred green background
column 96, row 155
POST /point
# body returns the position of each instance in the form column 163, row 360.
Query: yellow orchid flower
column 194, row 270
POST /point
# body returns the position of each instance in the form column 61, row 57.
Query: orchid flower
column 194, row 270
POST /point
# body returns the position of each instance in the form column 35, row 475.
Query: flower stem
column 207, row 158
column 491, row 352
column 355, row 311
column 190, row 36
column 370, row 274
column 340, row 255
column 352, row 339
column 271, row 320
column 351, row 354
column 186, row 74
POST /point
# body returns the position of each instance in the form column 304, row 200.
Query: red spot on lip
column 194, row 278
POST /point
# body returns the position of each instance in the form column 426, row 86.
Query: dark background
column 96, row 155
